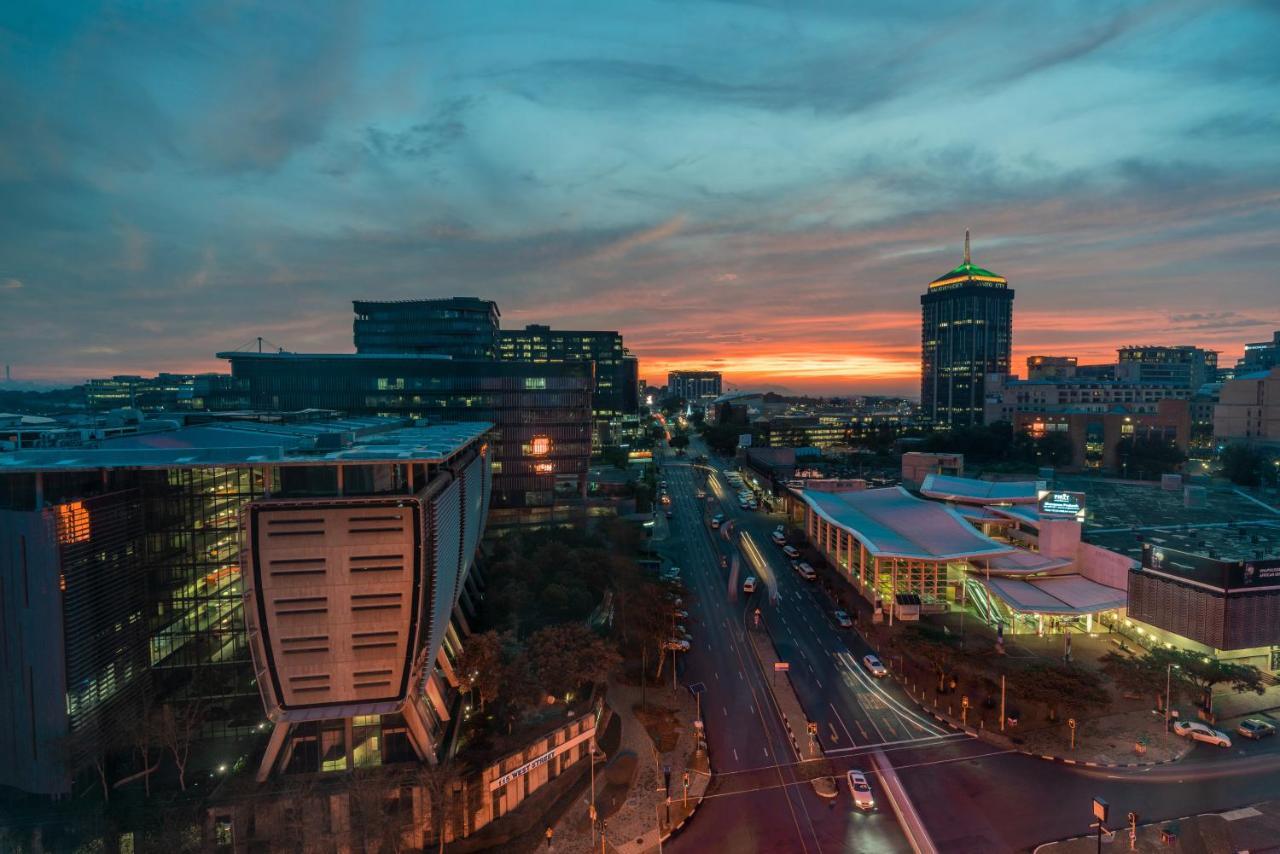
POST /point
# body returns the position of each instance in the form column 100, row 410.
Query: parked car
column 806, row 571
column 683, row 633
column 671, row 572
column 861, row 790
column 1197, row 731
column 842, row 619
column 791, row 552
column 715, row 523
column 874, row 666
column 749, row 586
column 670, row 514
column 701, row 493
column 679, row 614
column 677, row 645
column 778, row 538
column 1255, row 729
column 666, row 499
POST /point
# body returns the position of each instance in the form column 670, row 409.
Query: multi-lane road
column 971, row 795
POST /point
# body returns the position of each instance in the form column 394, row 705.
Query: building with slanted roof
column 888, row 542
column 966, row 333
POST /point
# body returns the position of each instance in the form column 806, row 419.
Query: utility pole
column 1002, row 702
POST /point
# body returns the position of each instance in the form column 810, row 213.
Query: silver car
column 861, row 790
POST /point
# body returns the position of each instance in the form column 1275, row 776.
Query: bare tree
column 143, row 733
column 436, row 782
column 180, row 724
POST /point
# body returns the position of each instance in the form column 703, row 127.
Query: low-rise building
column 1095, row 436
column 1248, row 409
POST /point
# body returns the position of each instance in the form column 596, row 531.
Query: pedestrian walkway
column 1254, row 828
column 635, row 812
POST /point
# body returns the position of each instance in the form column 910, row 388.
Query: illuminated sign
column 541, row 760
column 539, row 446
column 1053, row 503
column 544, row 468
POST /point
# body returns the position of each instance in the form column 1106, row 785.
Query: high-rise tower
column 966, row 333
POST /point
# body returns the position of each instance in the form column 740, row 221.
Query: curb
column 1062, row 760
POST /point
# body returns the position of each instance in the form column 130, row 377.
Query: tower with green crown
column 966, row 333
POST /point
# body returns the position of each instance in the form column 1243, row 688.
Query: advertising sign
column 1056, row 503
column 1222, row 574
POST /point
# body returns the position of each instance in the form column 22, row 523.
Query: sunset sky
column 761, row 187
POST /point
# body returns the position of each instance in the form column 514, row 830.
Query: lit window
column 539, row 446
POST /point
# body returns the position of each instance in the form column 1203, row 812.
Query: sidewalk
column 629, row 786
column 1255, row 828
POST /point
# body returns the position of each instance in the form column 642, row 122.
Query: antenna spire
column 966, row 246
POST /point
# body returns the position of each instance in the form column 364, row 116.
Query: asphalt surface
column 972, row 796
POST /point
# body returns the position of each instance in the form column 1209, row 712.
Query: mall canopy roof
column 1060, row 594
column 966, row 490
column 1023, row 562
column 893, row 523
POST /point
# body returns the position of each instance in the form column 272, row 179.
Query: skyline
column 772, row 208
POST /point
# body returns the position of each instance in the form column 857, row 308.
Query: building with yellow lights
column 966, row 333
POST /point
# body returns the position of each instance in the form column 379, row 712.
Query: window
column 223, row 832
column 535, row 382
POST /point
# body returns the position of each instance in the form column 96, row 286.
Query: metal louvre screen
column 1188, row 611
column 447, row 516
column 473, row 514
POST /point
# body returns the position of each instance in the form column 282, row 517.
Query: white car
column 874, row 666
column 778, row 538
column 701, row 493
column 861, row 790
column 842, row 619
column 1199, row 732
column 715, row 523
column 749, row 586
column 791, row 552
column 683, row 633
column 806, row 571
column 679, row 614
column 677, row 645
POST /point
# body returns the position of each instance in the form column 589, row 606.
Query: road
column 971, row 796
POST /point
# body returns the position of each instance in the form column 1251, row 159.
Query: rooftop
column 893, row 523
column 284, row 355
column 967, row 272
column 966, row 490
column 355, row 440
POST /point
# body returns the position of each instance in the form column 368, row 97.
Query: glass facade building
column 966, row 333
column 120, row 575
column 463, row 327
column 617, row 397
column 541, row 412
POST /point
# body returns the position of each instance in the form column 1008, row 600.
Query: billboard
column 1056, row 503
column 1222, row 574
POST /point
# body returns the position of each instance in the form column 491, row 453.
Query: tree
column 1148, row 455
column 1203, row 673
column 939, row 650
column 180, row 725
column 480, row 665
column 1054, row 448
column 566, row 656
column 1139, row 675
column 143, row 734
column 1242, row 464
column 370, row 826
column 436, row 782
column 1057, row 685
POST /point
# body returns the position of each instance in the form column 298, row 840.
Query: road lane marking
column 735, row 754
column 725, row 710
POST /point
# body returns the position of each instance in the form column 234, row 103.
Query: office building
column 462, row 327
column 1248, row 409
column 1184, row 366
column 1051, row 367
column 616, row 403
column 541, row 412
column 828, row 429
column 1095, row 436
column 1260, row 355
column 694, row 385
column 1007, row 398
column 124, row 581
column 1227, row 601
column 966, row 334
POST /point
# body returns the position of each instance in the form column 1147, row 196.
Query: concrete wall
column 33, row 682
column 1104, row 566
